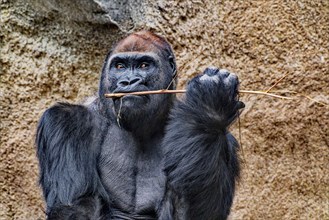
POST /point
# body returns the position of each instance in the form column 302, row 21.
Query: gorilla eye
column 144, row 65
column 119, row 66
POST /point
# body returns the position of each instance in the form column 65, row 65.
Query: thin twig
column 322, row 103
column 277, row 82
column 264, row 93
column 161, row 91
column 164, row 91
column 302, row 95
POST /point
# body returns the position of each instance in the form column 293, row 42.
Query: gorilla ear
column 172, row 65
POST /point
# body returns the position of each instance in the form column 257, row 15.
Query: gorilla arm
column 68, row 143
column 201, row 159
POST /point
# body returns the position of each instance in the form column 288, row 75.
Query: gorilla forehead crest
column 143, row 41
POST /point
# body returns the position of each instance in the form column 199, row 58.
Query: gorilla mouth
column 131, row 89
column 127, row 97
column 130, row 97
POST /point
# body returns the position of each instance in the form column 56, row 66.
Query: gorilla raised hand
column 142, row 157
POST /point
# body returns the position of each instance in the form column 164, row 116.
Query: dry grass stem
column 164, row 91
column 161, row 91
column 302, row 95
column 277, row 82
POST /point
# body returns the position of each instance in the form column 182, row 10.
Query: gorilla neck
column 145, row 123
column 143, row 126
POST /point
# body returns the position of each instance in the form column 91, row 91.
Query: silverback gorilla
column 142, row 157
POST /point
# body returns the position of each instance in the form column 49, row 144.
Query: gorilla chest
column 132, row 176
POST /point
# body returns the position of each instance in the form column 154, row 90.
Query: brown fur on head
column 144, row 41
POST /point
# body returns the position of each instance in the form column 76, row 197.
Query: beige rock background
column 49, row 53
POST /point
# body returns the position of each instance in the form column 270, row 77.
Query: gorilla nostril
column 135, row 80
column 124, row 83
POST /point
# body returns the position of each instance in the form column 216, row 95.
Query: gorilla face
column 135, row 71
column 132, row 72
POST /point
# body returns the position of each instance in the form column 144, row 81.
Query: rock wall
column 53, row 51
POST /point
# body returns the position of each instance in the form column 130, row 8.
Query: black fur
column 149, row 157
column 201, row 155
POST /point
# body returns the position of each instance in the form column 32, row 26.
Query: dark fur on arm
column 201, row 161
column 68, row 143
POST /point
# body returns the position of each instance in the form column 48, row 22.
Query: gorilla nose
column 130, row 81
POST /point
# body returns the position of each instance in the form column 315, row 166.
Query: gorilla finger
column 224, row 73
column 211, row 71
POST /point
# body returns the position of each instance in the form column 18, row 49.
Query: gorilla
column 142, row 157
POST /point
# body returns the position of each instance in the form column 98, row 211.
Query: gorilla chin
column 130, row 104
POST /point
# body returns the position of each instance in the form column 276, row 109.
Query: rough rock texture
column 52, row 51
column 125, row 14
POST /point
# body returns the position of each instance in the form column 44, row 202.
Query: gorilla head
column 140, row 62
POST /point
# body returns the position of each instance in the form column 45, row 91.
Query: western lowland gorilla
column 142, row 157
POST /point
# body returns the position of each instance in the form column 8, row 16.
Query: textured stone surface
column 54, row 52
column 125, row 14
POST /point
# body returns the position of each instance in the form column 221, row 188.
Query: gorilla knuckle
column 211, row 78
column 211, row 70
column 224, row 73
